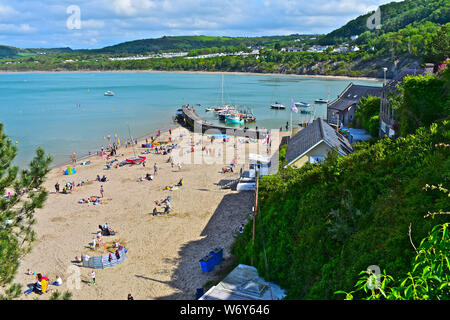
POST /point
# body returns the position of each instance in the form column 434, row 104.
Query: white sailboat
column 277, row 105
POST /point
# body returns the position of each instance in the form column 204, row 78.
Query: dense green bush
column 323, row 224
column 367, row 114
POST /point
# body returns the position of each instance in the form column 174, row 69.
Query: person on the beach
column 74, row 158
column 155, row 169
column 101, row 191
column 130, row 297
column 57, row 282
column 170, row 131
column 57, row 187
column 93, row 277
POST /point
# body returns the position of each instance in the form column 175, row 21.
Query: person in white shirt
column 57, row 282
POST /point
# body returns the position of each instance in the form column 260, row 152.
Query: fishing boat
column 223, row 114
column 277, row 105
column 247, row 114
column 321, row 101
column 109, row 93
column 249, row 118
column 209, row 109
column 223, row 108
column 234, row 119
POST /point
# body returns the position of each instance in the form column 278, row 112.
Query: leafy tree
column 439, row 47
column 17, row 210
column 366, row 114
column 428, row 279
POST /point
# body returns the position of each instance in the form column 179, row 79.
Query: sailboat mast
column 222, row 91
column 132, row 143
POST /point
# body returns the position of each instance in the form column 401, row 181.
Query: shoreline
column 163, row 250
column 139, row 139
column 203, row 72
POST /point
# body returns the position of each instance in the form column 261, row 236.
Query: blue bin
column 217, row 253
column 199, row 293
column 207, row 263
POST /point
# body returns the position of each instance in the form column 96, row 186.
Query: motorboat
column 109, row 93
column 234, row 119
column 321, row 101
column 302, row 104
column 277, row 105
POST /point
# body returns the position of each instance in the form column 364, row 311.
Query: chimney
column 429, row 68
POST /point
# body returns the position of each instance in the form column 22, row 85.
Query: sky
column 90, row 24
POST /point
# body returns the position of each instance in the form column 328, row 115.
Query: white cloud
column 14, row 29
column 92, row 24
column 6, row 11
column 131, row 7
column 127, row 20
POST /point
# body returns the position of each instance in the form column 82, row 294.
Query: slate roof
column 351, row 95
column 311, row 135
column 392, row 85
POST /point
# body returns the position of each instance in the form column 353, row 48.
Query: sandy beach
column 163, row 250
column 206, row 72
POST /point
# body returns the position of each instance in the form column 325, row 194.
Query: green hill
column 323, row 224
column 7, row 51
column 13, row 52
column 185, row 43
column 394, row 16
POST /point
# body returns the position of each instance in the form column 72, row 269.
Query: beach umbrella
column 69, row 171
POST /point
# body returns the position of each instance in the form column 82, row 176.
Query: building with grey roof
column 388, row 123
column 313, row 143
column 342, row 110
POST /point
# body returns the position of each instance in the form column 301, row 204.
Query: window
column 316, row 159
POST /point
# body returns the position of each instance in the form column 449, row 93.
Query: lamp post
column 384, row 81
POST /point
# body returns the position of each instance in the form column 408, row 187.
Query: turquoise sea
column 68, row 112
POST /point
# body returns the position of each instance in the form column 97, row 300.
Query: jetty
column 189, row 118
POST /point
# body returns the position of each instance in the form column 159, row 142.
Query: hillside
column 186, row 43
column 12, row 52
column 322, row 225
column 394, row 16
column 7, row 51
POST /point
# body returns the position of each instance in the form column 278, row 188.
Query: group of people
column 175, row 187
column 40, row 286
column 147, row 177
column 93, row 199
column 106, row 230
column 68, row 187
column 102, row 179
column 165, row 203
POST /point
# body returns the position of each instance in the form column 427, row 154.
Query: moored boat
column 320, row 100
column 302, row 104
column 277, row 105
column 234, row 119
